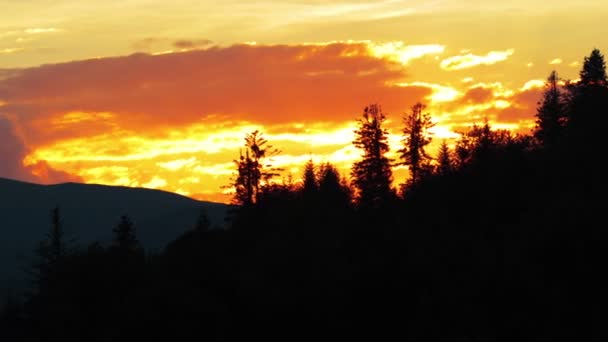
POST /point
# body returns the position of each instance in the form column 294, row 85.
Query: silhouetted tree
column 587, row 106
column 444, row 159
column 203, row 224
column 252, row 170
column 51, row 251
column 124, row 235
column 594, row 69
column 309, row 179
column 416, row 136
column 332, row 189
column 463, row 149
column 478, row 145
column 372, row 176
column 56, row 242
column 550, row 114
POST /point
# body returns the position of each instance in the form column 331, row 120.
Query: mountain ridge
column 89, row 212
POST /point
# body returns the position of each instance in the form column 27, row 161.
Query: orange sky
column 160, row 94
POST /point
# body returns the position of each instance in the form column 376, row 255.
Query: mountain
column 89, row 213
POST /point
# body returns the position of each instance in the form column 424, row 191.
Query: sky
column 159, row 94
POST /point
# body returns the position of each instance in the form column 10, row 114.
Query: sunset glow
column 164, row 102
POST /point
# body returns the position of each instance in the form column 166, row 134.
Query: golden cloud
column 470, row 60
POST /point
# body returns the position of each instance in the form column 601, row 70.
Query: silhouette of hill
column 89, row 212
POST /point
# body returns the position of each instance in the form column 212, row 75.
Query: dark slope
column 89, row 213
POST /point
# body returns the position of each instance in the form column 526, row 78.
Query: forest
column 498, row 238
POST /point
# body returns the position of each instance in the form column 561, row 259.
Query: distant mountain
column 89, row 213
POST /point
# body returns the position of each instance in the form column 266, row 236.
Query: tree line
column 499, row 238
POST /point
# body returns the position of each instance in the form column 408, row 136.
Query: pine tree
column 309, row 179
column 372, row 176
column 588, row 106
column 203, row 224
column 332, row 189
column 124, row 235
column 594, row 69
column 56, row 242
column 444, row 158
column 550, row 114
column 251, row 169
column 51, row 252
column 416, row 136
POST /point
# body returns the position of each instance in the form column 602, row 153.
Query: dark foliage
column 372, row 175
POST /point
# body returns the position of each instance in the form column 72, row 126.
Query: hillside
column 89, row 213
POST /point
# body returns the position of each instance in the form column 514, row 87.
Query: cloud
column 440, row 92
column 263, row 84
column 41, row 30
column 477, row 94
column 470, row 60
column 163, row 120
column 191, row 44
column 12, row 153
column 151, row 43
column 555, row 61
column 10, row 50
column 146, row 44
column 176, row 121
column 402, row 53
column 531, row 84
column 30, row 31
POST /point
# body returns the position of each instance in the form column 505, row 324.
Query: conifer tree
column 588, row 105
column 51, row 251
column 56, row 242
column 415, row 138
column 372, row 176
column 124, row 235
column 309, row 179
column 253, row 169
column 444, row 158
column 332, row 189
column 203, row 224
column 594, row 69
column 550, row 114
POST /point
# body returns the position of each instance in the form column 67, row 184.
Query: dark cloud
column 12, row 153
column 147, row 44
column 151, row 43
column 191, row 44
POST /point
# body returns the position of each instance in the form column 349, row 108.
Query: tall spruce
column 124, row 235
column 588, row 106
column 51, row 252
column 594, row 69
column 550, row 114
column 372, row 176
column 444, row 158
column 56, row 237
column 416, row 137
column 309, row 179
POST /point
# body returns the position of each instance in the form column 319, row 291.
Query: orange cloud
column 176, row 121
column 266, row 84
